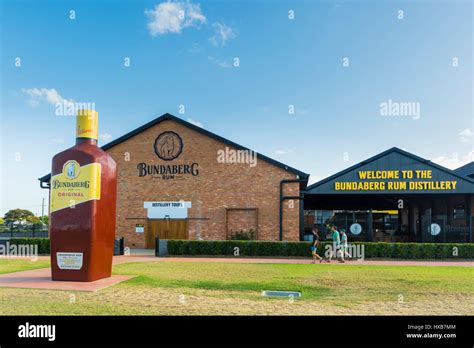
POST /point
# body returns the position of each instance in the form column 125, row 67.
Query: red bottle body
column 82, row 233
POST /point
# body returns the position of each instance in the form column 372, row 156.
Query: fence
column 44, row 244
column 24, row 231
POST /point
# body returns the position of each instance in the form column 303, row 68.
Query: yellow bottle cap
column 87, row 122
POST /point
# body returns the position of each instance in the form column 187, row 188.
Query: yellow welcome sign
column 393, row 181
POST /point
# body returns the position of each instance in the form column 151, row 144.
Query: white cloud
column 173, row 17
column 50, row 96
column 220, row 63
column 196, row 123
column 283, row 151
column 105, row 137
column 454, row 161
column 223, row 33
column 466, row 135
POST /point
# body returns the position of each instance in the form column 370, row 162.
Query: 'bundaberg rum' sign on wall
column 168, row 146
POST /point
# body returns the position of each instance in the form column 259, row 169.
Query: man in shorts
column 344, row 245
column 336, row 245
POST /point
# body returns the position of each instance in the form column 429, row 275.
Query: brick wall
column 217, row 187
column 238, row 220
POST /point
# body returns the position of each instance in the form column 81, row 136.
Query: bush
column 302, row 249
column 43, row 243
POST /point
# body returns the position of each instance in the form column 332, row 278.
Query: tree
column 2, row 221
column 19, row 215
column 44, row 219
column 33, row 220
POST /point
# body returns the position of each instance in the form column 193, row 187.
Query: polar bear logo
column 168, row 145
column 71, row 170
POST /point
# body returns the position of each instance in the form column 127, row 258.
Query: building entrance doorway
column 165, row 229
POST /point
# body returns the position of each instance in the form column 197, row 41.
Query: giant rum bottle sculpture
column 82, row 207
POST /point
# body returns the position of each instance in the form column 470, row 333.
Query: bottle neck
column 86, row 140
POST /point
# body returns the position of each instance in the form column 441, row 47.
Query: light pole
column 42, row 210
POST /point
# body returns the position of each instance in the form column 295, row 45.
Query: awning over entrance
column 394, row 172
column 429, row 198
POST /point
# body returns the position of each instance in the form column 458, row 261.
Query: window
column 459, row 212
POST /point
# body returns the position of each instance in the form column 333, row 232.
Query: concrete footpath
column 149, row 256
column 41, row 279
column 302, row 261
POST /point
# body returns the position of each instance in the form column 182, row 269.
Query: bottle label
column 76, row 184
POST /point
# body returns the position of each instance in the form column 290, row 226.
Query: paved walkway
column 41, row 279
column 152, row 258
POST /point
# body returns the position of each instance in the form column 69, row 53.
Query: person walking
column 336, row 245
column 314, row 247
column 344, row 245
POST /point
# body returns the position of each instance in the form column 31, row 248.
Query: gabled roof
column 386, row 153
column 302, row 175
column 466, row 170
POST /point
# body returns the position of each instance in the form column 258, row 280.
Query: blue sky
column 423, row 58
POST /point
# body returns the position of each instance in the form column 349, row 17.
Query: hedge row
column 371, row 249
column 43, row 243
column 263, row 248
column 419, row 250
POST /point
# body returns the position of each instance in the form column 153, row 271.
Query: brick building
column 180, row 181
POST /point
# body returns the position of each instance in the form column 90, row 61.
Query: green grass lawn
column 184, row 288
column 17, row 265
